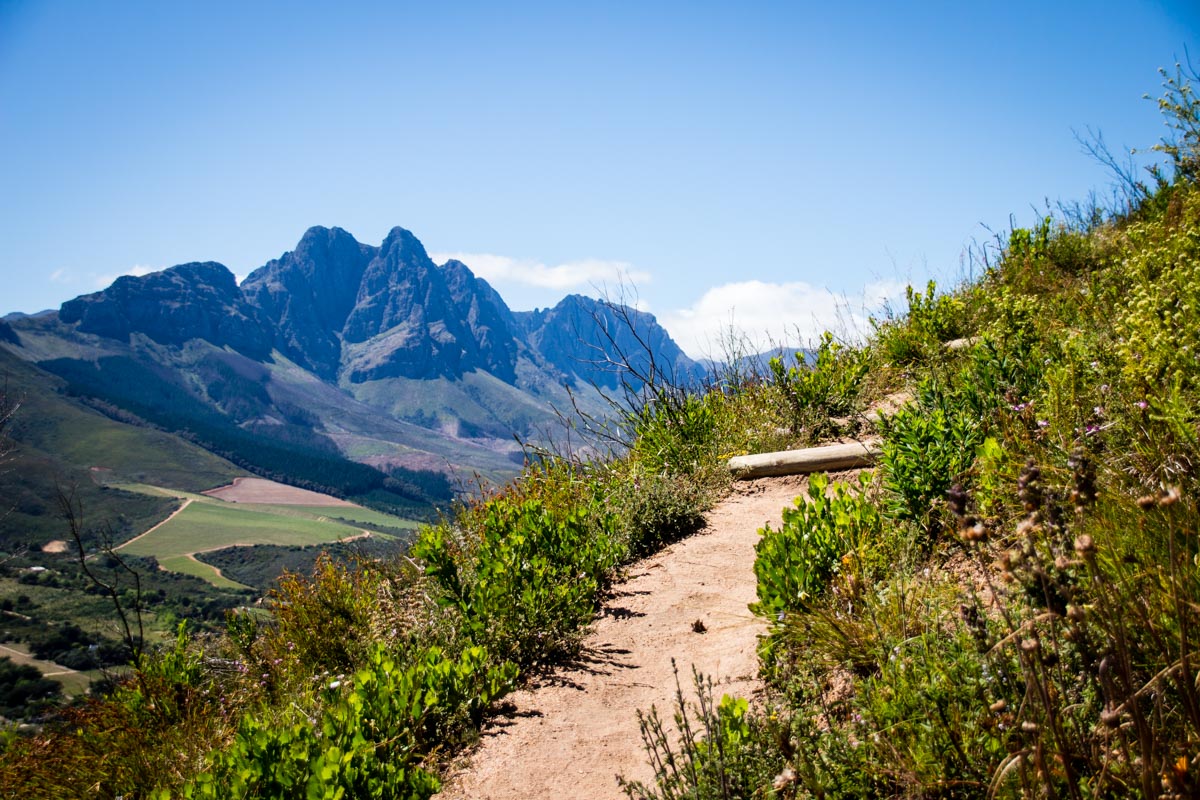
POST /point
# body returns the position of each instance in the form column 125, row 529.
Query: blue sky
column 741, row 163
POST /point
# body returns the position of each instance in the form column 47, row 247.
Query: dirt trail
column 571, row 736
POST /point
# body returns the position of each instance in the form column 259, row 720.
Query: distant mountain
column 339, row 352
column 595, row 343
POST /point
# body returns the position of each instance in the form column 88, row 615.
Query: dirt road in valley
column 570, row 736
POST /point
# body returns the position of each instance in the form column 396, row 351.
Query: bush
column 524, row 580
column 368, row 740
column 828, row 389
column 794, row 564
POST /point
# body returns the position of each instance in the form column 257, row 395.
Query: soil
column 572, row 733
column 261, row 490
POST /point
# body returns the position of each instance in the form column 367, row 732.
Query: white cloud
column 137, row 270
column 497, row 269
column 62, row 275
column 765, row 315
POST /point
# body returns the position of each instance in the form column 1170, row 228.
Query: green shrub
column 794, row 564
column 918, row 335
column 366, row 741
column 828, row 389
column 652, row 509
column 927, row 446
column 525, row 580
column 675, row 432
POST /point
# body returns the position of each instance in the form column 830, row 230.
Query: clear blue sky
column 736, row 160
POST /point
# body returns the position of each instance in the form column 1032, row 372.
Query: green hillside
column 61, row 443
column 1006, row 605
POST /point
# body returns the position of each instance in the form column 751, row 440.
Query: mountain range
column 337, row 355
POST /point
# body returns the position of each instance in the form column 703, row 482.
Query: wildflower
column 1084, row 544
column 1041, row 423
column 1142, row 404
column 784, row 779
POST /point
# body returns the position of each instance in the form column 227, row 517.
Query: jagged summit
column 353, row 312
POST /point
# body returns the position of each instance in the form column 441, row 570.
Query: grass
column 212, row 525
column 209, row 524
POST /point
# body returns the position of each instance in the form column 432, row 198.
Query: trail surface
column 572, row 735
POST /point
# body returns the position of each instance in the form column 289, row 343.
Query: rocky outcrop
column 190, row 301
column 350, row 311
column 594, row 342
column 309, row 293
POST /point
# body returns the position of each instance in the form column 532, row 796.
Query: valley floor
column 574, row 733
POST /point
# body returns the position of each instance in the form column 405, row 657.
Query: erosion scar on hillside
column 572, row 734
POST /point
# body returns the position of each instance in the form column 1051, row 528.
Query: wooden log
column 800, row 462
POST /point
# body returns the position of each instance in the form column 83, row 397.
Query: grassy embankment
column 1006, row 607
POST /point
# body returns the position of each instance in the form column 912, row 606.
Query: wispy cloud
column 105, row 280
column 570, row 275
column 763, row 315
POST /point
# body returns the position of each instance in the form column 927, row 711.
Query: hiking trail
column 573, row 732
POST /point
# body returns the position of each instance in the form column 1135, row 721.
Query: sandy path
column 573, row 734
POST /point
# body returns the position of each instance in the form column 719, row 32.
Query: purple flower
column 1142, row 404
column 1041, row 423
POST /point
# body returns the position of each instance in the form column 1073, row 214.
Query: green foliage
column 652, row 509
column 927, row 446
column 794, row 564
column 723, row 752
column 1180, row 108
column 918, row 335
column 524, row 582
column 675, row 432
column 367, row 741
column 820, row 393
column 1158, row 325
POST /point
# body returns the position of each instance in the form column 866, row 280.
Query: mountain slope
column 340, row 350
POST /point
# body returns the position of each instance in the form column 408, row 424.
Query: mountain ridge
column 345, row 347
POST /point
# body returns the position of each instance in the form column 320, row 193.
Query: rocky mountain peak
column 199, row 300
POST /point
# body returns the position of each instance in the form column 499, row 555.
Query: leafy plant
column 722, row 753
column 529, row 582
column 927, row 446
column 794, row 564
column 828, row 389
column 367, row 741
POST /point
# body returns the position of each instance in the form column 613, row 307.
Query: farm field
column 73, row 681
column 204, row 524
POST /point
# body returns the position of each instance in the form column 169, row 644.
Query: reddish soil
column 261, row 490
column 574, row 732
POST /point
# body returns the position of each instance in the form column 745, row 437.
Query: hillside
column 1005, row 606
column 357, row 370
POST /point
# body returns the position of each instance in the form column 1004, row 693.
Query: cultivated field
column 261, row 490
column 204, row 524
